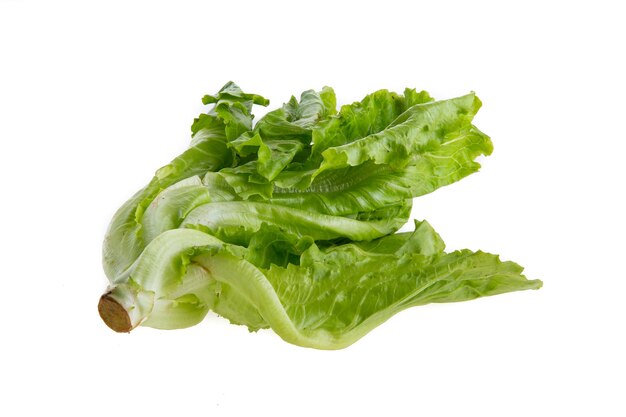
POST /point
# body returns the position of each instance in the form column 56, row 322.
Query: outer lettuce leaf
column 341, row 305
column 168, row 210
column 237, row 221
column 421, row 127
column 371, row 115
column 332, row 298
column 354, row 287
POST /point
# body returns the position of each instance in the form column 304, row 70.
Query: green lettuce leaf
column 421, row 127
column 332, row 298
column 371, row 115
column 237, row 221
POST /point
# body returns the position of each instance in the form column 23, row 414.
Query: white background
column 95, row 96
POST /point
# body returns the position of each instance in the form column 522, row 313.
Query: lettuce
column 289, row 223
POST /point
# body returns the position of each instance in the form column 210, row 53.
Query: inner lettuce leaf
column 289, row 223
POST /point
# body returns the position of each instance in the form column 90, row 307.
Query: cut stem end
column 114, row 315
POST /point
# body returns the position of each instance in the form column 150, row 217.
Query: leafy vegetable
column 289, row 223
